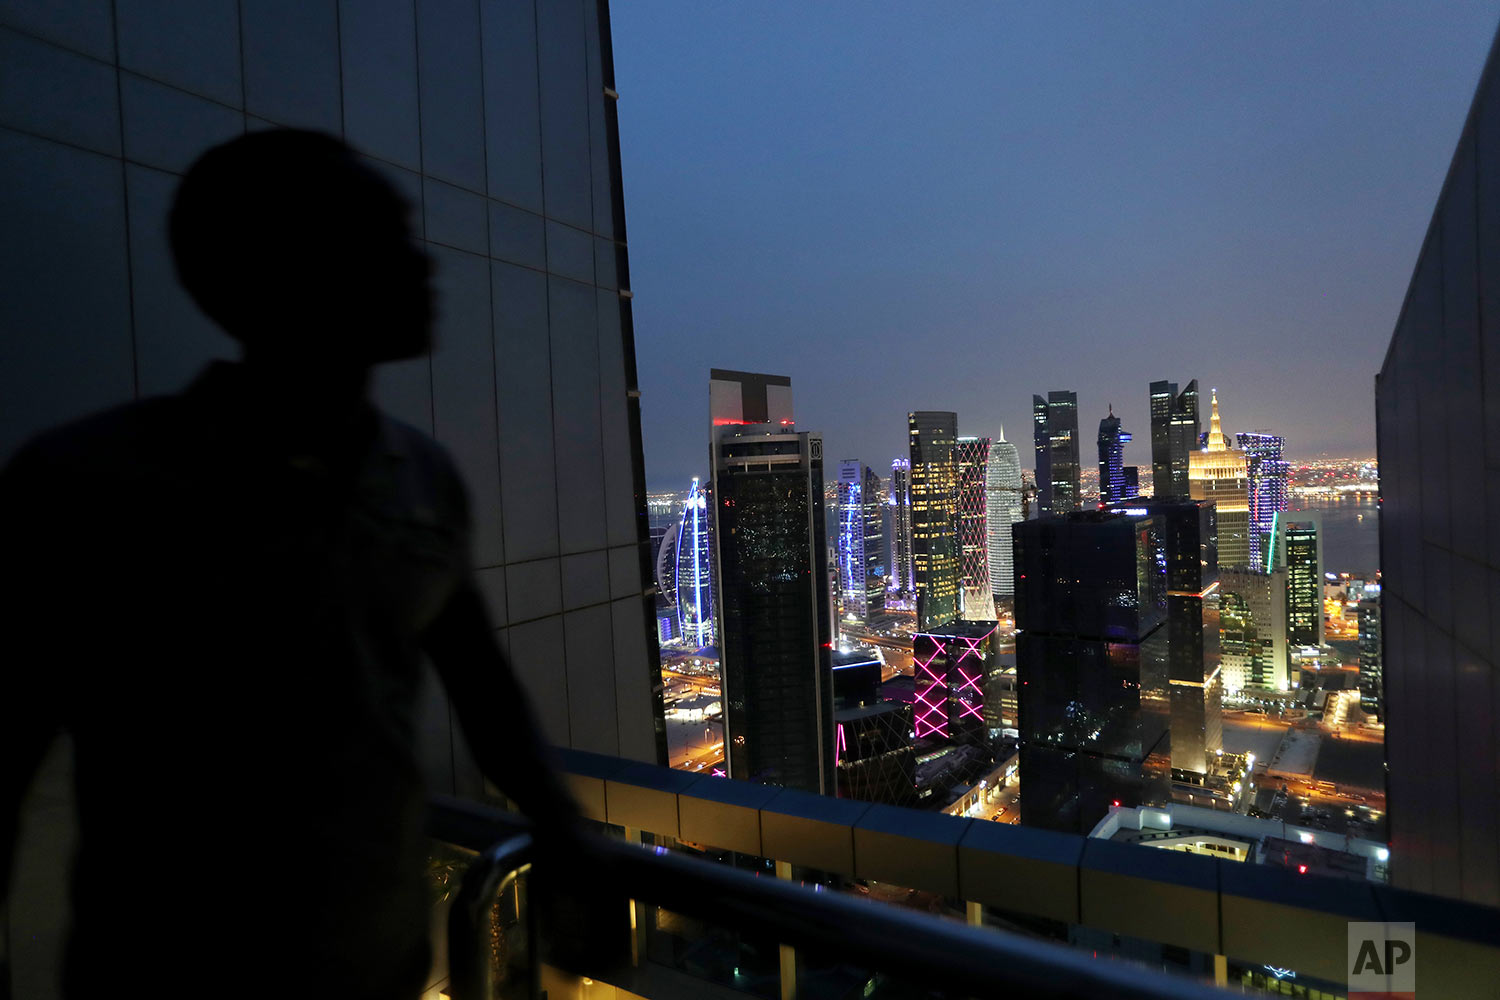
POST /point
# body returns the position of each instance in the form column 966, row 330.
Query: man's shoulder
column 415, row 445
column 427, row 468
column 108, row 436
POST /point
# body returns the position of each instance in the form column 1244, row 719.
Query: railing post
column 637, row 912
column 788, row 953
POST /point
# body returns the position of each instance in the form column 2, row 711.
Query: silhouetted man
column 224, row 596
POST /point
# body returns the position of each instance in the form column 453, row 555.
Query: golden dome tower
column 1218, row 472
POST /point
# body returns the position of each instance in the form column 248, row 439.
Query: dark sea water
column 1351, row 531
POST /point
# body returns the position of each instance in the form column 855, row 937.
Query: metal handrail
column 470, row 971
column 942, row 954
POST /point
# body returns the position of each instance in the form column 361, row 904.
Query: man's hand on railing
column 582, row 914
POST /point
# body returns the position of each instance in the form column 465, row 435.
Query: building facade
column 1252, row 629
column 1266, row 476
column 1058, row 457
column 1174, row 435
column 952, row 667
column 497, row 123
column 861, row 572
column 874, row 758
column 1439, row 453
column 933, row 438
column 1114, row 485
column 1002, row 501
column 1194, row 673
column 1092, row 666
column 976, row 597
column 1217, row 472
column 775, row 625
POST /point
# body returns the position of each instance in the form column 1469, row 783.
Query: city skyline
column 1259, row 194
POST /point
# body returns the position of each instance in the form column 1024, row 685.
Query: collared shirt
column 231, row 632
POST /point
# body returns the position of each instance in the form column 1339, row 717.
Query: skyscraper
column 1002, row 498
column 901, row 567
column 861, row 581
column 1298, row 548
column 1091, row 663
column 664, row 552
column 1113, row 485
column 775, row 632
column 1217, row 472
column 977, row 599
column 1252, row 629
column 1267, row 488
column 1189, row 536
column 1055, row 430
column 1174, row 434
column 1439, row 444
column 694, row 576
column 933, row 436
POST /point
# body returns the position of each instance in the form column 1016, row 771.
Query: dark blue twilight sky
column 955, row 205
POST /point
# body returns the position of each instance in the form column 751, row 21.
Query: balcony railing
column 1222, row 911
column 924, row 954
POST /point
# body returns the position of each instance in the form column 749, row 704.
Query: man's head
column 302, row 252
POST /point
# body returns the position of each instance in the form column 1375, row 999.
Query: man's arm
column 494, row 711
column 30, row 714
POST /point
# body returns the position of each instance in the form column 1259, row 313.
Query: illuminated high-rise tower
column 694, row 575
column 976, row 598
column 1055, row 434
column 1267, row 475
column 1174, row 435
column 1002, row 500
column 861, row 580
column 1297, row 547
column 933, row 437
column 1217, row 472
column 1113, row 486
column 901, row 531
column 775, row 628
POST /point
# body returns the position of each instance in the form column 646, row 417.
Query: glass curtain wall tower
column 933, row 436
column 861, row 581
column 901, row 569
column 1055, row 432
column 1002, row 498
column 977, row 598
column 775, row 632
column 1267, row 473
column 1189, row 535
column 1091, row 662
column 1113, row 486
column 1174, row 435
